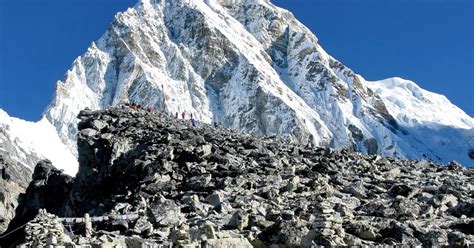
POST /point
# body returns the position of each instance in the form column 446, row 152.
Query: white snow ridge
column 32, row 141
column 250, row 65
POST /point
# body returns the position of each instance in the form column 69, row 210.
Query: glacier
column 252, row 66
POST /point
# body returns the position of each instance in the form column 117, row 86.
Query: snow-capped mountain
column 26, row 143
column 250, row 65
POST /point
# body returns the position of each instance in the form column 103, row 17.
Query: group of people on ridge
column 183, row 115
column 138, row 106
column 150, row 109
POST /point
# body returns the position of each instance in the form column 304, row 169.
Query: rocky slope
column 214, row 186
column 252, row 66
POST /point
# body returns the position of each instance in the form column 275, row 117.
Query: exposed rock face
column 49, row 189
column 14, row 178
column 219, row 187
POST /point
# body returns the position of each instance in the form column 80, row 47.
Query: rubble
column 46, row 229
column 202, row 186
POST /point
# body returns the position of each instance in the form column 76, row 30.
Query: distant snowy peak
column 27, row 142
column 250, row 65
column 412, row 105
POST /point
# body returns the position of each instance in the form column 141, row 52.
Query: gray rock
column 166, row 213
column 357, row 189
column 239, row 220
column 215, row 198
column 192, row 186
column 458, row 239
column 204, row 150
column 229, row 242
column 362, row 231
column 14, row 179
column 445, row 199
column 143, row 227
column 371, row 145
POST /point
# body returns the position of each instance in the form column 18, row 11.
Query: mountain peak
column 252, row 66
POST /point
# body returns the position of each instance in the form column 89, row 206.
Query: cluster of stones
column 328, row 225
column 203, row 185
column 46, row 230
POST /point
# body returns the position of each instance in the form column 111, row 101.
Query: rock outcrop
column 48, row 189
column 14, row 178
column 218, row 187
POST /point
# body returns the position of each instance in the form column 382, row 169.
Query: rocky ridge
column 214, row 186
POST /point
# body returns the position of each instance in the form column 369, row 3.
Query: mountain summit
column 249, row 65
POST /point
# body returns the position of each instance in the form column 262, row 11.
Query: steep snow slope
column 251, row 66
column 28, row 142
column 428, row 119
column 413, row 106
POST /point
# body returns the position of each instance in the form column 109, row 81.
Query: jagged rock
column 166, row 213
column 434, row 239
column 395, row 172
column 49, row 190
column 379, row 209
column 143, row 227
column 465, row 208
column 362, row 231
column 239, row 220
column 445, row 199
column 403, row 190
column 371, row 145
column 400, row 233
column 14, row 179
column 357, row 189
column 215, row 199
column 230, row 242
column 458, row 239
column 286, row 232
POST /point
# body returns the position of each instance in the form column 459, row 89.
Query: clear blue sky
column 428, row 41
